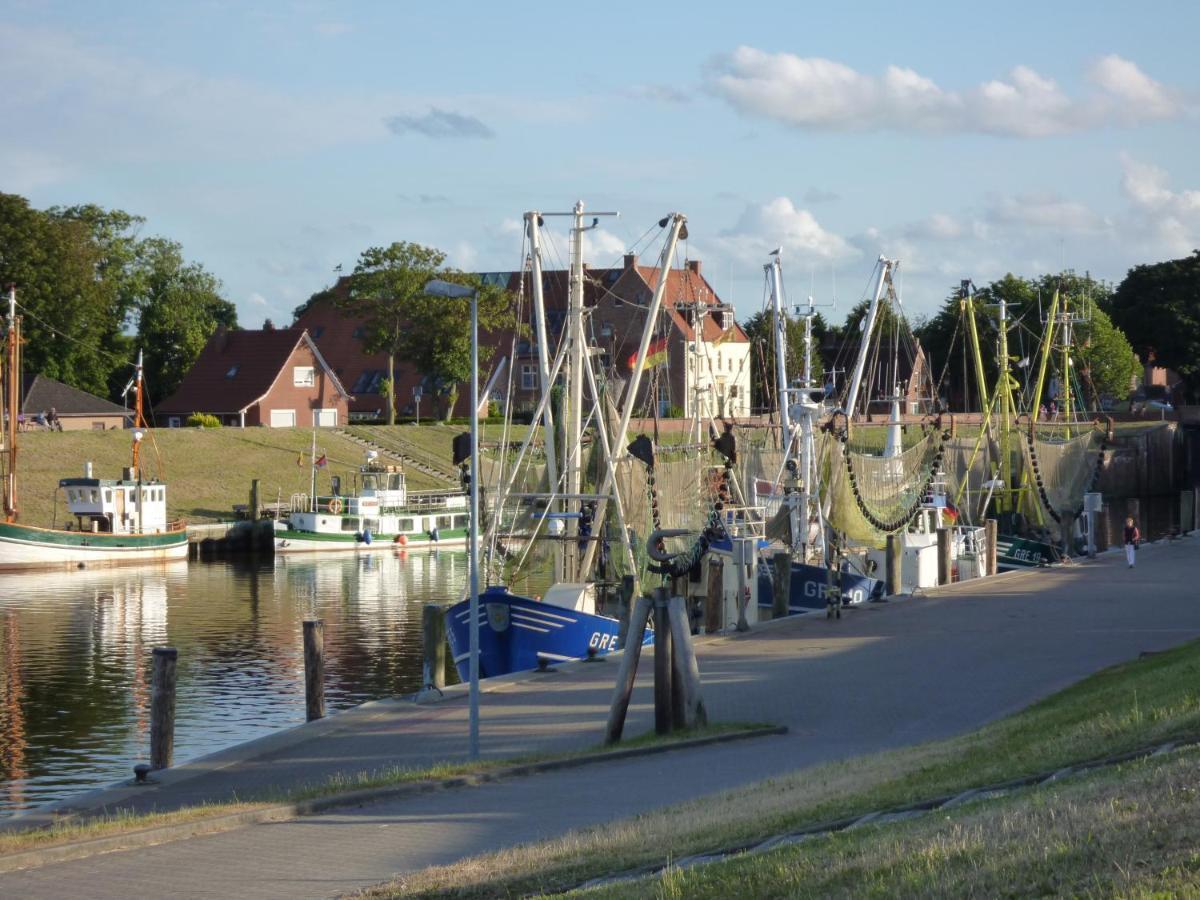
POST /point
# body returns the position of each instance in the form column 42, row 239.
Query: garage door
column 325, row 418
column 283, row 418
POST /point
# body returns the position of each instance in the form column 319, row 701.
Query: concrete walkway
column 882, row 677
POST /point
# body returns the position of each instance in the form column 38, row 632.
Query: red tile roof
column 234, row 369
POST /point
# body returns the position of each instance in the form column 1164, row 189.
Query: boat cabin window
column 108, row 496
column 405, row 525
column 444, row 521
column 370, row 482
column 351, row 524
column 460, row 521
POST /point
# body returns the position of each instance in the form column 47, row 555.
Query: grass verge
column 1132, row 705
column 1130, row 832
column 119, row 823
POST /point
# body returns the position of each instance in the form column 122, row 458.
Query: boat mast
column 13, row 403
column 775, row 275
column 573, row 437
column 885, row 268
column 138, row 417
column 533, row 222
column 313, row 464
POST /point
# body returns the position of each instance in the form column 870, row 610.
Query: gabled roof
column 236, row 369
column 42, row 393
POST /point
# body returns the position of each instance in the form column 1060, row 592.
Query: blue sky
column 278, row 140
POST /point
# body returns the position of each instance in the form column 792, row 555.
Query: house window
column 733, row 392
column 98, row 426
column 233, row 370
column 529, row 377
column 606, row 330
column 174, row 422
column 304, row 376
column 317, row 332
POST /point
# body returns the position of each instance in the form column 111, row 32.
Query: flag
column 950, row 514
column 321, row 462
column 300, row 459
column 656, row 355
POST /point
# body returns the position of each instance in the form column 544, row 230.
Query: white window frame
column 174, row 421
column 304, row 376
column 271, row 418
column 317, row 423
column 529, row 377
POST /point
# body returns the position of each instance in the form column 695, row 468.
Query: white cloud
column 816, row 93
column 1047, row 211
column 257, row 299
column 1167, row 219
column 778, row 222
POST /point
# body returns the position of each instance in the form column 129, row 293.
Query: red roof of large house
column 237, row 368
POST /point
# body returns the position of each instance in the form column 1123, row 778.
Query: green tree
column 67, row 305
column 387, row 291
column 760, row 328
column 1158, row 308
column 179, row 307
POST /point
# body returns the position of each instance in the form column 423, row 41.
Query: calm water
column 75, row 656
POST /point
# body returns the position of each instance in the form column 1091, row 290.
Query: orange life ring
column 335, row 506
column 401, row 539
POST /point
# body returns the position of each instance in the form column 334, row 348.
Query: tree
column 760, row 328
column 387, row 290
column 179, row 309
column 1158, row 308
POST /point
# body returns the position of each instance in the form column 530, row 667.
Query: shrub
column 674, row 412
column 203, row 420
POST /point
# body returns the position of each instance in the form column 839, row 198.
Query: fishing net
column 1063, row 470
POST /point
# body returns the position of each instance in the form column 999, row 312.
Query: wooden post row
column 162, row 707
column 314, row 669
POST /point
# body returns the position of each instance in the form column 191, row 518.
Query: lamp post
column 438, row 288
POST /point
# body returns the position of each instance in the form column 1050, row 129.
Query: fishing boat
column 113, row 521
column 518, row 632
column 380, row 513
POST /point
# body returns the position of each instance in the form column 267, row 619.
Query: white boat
column 380, row 514
column 115, row 521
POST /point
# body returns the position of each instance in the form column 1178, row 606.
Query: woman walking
column 1133, row 537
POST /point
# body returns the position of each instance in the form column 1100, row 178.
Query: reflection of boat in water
column 380, row 514
column 115, row 520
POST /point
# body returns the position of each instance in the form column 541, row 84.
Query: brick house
column 717, row 377
column 274, row 377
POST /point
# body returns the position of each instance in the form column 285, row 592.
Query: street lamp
column 439, row 288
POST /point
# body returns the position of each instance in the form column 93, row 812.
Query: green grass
column 1130, row 832
column 1140, row 703
column 112, row 824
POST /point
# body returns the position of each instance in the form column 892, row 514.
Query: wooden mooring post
column 639, row 616
column 162, row 707
column 781, row 583
column 433, row 646
column 625, row 608
column 314, row 669
column 991, row 535
column 895, row 562
column 714, row 600
column 945, row 556
column 686, row 675
column 662, row 663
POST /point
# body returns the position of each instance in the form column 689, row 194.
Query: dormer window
column 232, row 371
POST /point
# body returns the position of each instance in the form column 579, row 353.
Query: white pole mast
column 775, row 273
column 533, row 222
column 574, row 414
column 885, row 267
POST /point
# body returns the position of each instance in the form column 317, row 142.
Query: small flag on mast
column 321, row 462
column 300, row 459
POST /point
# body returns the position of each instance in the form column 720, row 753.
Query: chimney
column 694, row 266
column 630, row 260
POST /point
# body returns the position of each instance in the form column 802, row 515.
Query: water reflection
column 75, row 655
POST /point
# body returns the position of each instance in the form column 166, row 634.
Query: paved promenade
column 882, row 677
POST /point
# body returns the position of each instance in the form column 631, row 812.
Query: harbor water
column 75, row 655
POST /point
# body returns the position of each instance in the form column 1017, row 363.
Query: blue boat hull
column 807, row 590
column 515, row 632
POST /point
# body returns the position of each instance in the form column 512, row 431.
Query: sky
column 278, row 140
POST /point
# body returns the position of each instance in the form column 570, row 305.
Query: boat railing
column 432, row 499
column 298, row 502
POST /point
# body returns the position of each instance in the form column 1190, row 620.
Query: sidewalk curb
column 37, row 858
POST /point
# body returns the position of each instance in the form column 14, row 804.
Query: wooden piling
column 162, row 707
column 433, row 645
column 687, row 670
column 627, row 672
column 314, row 669
column 662, row 664
column 945, row 556
column 895, row 562
column 781, row 583
column 255, row 501
column 991, row 536
column 714, row 601
column 628, row 586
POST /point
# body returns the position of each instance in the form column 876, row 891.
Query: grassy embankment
column 1131, row 830
column 209, row 470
